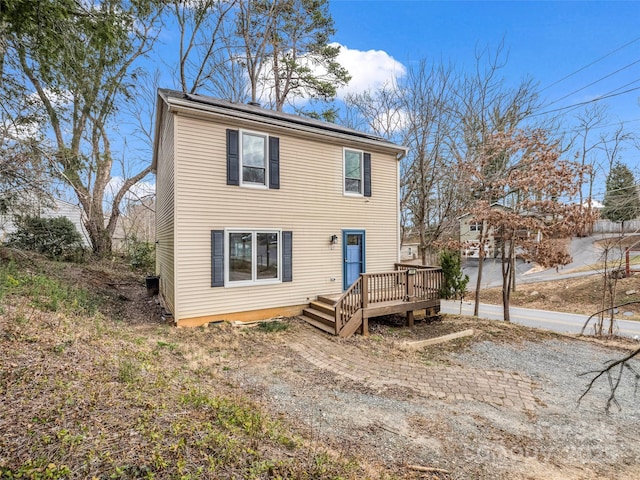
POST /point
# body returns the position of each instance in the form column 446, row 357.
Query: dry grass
column 93, row 385
column 575, row 295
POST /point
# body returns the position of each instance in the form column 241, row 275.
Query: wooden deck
column 405, row 290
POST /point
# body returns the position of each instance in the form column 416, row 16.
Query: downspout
column 399, row 157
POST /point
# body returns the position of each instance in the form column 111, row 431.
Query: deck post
column 365, row 291
column 410, row 280
column 410, row 318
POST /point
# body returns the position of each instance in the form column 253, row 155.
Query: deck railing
column 348, row 304
column 407, row 283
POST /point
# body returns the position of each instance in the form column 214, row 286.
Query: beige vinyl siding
column 467, row 235
column 310, row 202
column 165, row 212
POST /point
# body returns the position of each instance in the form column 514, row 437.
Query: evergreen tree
column 621, row 200
column 454, row 284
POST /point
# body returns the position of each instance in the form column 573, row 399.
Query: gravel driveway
column 406, row 421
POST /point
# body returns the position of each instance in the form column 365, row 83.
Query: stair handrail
column 353, row 303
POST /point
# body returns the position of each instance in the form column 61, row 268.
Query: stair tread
column 323, row 307
column 319, row 315
column 327, row 300
column 318, row 324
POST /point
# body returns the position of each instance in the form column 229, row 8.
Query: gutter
column 181, row 105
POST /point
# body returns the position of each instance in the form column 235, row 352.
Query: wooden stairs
column 404, row 290
column 321, row 313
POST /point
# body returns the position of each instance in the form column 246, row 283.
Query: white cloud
column 59, row 99
column 136, row 192
column 25, row 130
column 369, row 69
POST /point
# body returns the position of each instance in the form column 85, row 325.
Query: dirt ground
column 414, row 435
column 401, row 428
column 364, row 398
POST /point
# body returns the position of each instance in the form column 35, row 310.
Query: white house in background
column 470, row 230
column 58, row 208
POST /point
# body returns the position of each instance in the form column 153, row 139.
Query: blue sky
column 544, row 40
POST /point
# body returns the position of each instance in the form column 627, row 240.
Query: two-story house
column 259, row 212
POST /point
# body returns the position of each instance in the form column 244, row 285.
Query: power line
column 597, row 127
column 613, row 91
column 590, row 64
column 596, row 81
column 597, row 99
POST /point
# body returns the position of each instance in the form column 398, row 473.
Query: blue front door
column 353, row 253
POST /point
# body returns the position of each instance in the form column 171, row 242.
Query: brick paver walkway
column 443, row 382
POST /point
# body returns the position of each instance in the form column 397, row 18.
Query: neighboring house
column 409, row 250
column 137, row 221
column 470, row 230
column 410, row 253
column 259, row 212
column 51, row 209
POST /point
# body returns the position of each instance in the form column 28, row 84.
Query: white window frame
column 475, row 226
column 264, row 186
column 254, row 257
column 344, row 172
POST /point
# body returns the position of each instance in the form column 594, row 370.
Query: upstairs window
column 353, row 171
column 357, row 172
column 254, row 159
column 475, row 227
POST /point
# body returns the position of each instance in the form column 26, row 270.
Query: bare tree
column 484, row 106
column 24, row 176
column 613, row 371
column 80, row 75
column 201, row 25
column 430, row 187
column 536, row 187
column 591, row 118
column 416, row 112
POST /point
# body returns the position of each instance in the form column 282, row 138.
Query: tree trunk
column 513, row 270
column 506, row 256
column 476, row 306
column 99, row 236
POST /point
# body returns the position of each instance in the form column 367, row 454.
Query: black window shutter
column 287, row 256
column 274, row 162
column 217, row 258
column 367, row 174
column 233, row 157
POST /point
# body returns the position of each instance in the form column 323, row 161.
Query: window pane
column 351, row 185
column 352, row 171
column 253, row 148
column 352, row 164
column 267, row 259
column 240, row 256
column 253, row 175
column 354, row 239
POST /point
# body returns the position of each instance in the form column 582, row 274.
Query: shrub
column 57, row 238
column 455, row 282
column 140, row 254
